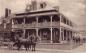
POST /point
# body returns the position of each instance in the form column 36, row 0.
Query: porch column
column 66, row 35
column 23, row 33
column 70, row 36
column 23, row 28
column 12, row 22
column 37, row 29
column 60, row 38
column 37, row 32
column 63, row 34
column 51, row 30
column 24, row 20
column 37, row 21
column 39, row 38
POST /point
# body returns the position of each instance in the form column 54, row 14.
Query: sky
column 74, row 10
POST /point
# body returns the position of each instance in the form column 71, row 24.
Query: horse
column 21, row 42
column 33, row 41
column 28, row 43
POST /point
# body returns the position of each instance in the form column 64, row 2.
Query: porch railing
column 17, row 26
column 55, row 23
column 43, row 24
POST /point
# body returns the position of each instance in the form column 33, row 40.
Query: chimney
column 34, row 5
column 7, row 12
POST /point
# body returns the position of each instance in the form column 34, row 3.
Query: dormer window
column 43, row 5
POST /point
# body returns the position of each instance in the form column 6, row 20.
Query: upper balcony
column 66, row 21
column 44, row 24
column 66, row 26
column 33, row 22
column 34, row 25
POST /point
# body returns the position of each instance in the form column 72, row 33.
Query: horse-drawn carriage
column 26, row 43
column 17, row 41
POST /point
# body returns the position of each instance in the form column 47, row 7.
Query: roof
column 50, row 11
column 37, row 11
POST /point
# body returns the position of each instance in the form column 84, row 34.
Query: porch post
column 63, row 34
column 37, row 29
column 67, row 35
column 23, row 28
column 37, row 21
column 24, row 20
column 70, row 36
column 37, row 32
column 51, row 30
column 12, row 22
column 60, row 35
column 60, row 28
column 23, row 33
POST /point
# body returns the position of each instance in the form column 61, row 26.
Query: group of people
column 78, row 40
column 29, row 43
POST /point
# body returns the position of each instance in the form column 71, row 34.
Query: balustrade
column 34, row 24
column 44, row 24
column 17, row 26
column 55, row 23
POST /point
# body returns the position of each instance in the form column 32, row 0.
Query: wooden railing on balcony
column 55, row 24
column 30, row 25
column 24, row 25
column 43, row 24
column 17, row 26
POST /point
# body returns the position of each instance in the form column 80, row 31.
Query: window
column 56, row 18
column 43, row 5
column 18, row 21
column 63, row 19
column 44, row 18
column 30, row 20
column 67, row 22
